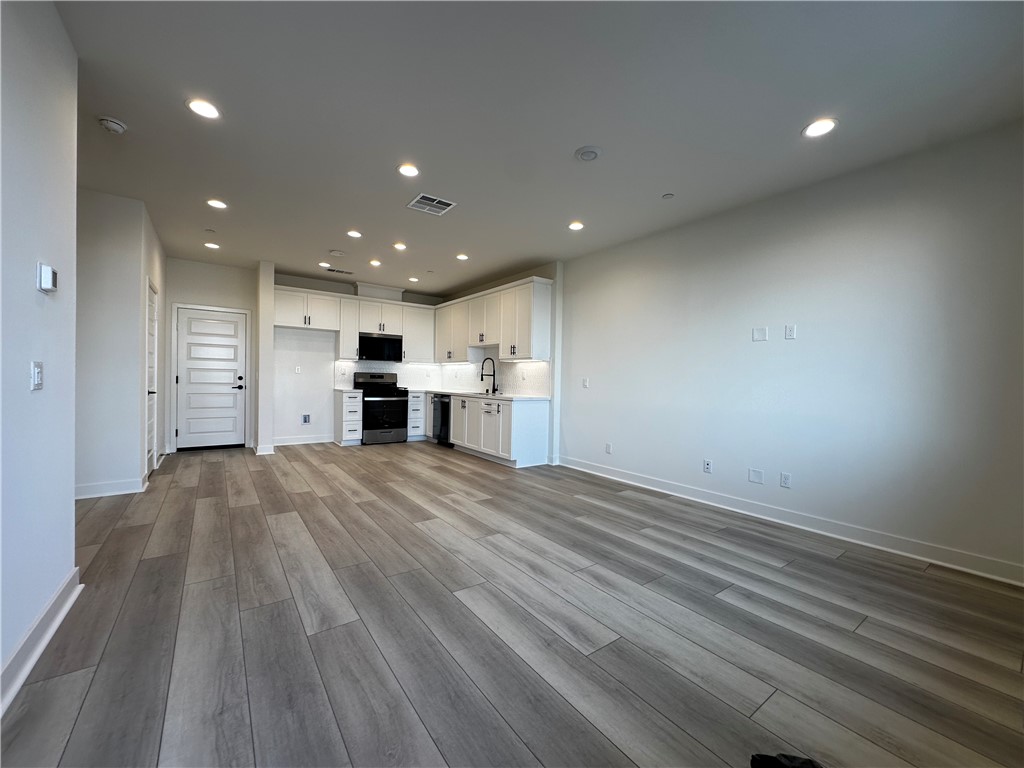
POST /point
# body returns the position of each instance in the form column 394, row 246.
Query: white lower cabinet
column 417, row 415
column 348, row 416
column 516, row 431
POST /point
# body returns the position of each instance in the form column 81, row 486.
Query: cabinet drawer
column 352, row 412
column 417, row 411
column 416, row 397
column 353, row 397
column 417, row 428
column 352, row 431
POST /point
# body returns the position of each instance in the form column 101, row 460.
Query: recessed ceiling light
column 462, row 257
column 214, row 246
column 324, row 264
column 216, row 204
column 414, row 279
column 336, row 254
column 820, row 127
column 354, row 233
column 203, row 108
column 374, row 263
column 576, row 226
column 587, row 153
column 667, row 196
column 399, row 246
column 408, row 169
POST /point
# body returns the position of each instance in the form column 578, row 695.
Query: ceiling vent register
column 338, row 271
column 432, row 205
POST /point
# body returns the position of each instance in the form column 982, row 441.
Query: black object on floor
column 782, row 761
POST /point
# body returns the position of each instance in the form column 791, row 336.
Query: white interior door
column 152, row 409
column 211, row 378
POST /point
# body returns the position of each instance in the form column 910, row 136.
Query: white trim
column 970, row 562
column 34, row 643
column 303, row 440
column 264, row 450
column 110, row 488
column 250, row 423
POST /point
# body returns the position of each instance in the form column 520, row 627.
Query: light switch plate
column 759, row 334
column 755, row 476
column 36, row 373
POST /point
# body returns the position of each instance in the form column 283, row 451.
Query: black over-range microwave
column 380, row 346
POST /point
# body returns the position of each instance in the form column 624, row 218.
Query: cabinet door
column 442, row 335
column 322, row 311
column 348, row 339
column 428, row 415
column 492, row 318
column 505, row 430
column 507, row 333
column 369, row 317
column 490, row 427
column 457, row 431
column 460, row 332
column 417, row 335
column 473, row 423
column 524, row 322
column 391, row 319
column 289, row 308
column 477, row 321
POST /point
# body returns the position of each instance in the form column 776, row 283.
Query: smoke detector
column 112, row 125
column 587, row 153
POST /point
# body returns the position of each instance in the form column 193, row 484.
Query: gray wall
column 897, row 408
column 37, row 453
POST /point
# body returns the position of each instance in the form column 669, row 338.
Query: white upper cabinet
column 299, row 309
column 375, row 317
column 451, row 330
column 417, row 335
column 348, row 339
column 485, row 320
column 525, row 332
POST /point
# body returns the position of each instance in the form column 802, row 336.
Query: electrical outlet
column 707, row 466
column 755, row 476
column 607, row 447
column 586, row 383
column 785, row 480
column 305, row 418
column 790, row 331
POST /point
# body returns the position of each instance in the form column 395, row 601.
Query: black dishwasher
column 441, row 422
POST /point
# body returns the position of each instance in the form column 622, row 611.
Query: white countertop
column 465, row 392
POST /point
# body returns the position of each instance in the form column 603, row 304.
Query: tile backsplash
column 526, row 378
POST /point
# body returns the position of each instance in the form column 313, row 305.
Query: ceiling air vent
column 337, row 271
column 432, row 205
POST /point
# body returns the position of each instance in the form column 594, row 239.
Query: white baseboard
column 34, row 643
column 303, row 440
column 982, row 565
column 112, row 488
column 264, row 450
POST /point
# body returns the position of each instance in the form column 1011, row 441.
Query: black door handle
column 239, row 387
column 151, row 392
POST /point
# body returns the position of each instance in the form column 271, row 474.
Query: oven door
column 385, row 420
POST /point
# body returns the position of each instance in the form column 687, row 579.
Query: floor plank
column 380, row 725
column 122, row 715
column 209, row 553
column 640, row 732
column 207, row 719
column 279, row 667
column 101, row 519
column 211, row 481
column 273, row 497
column 371, row 538
column 337, row 545
column 321, row 601
column 258, row 573
column 172, row 530
column 79, row 641
column 144, row 507
column 553, row 730
column 466, row 728
column 38, row 722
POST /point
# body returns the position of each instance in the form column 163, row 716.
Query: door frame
column 172, row 423
column 151, row 288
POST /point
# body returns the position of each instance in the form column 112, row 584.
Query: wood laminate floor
column 407, row 605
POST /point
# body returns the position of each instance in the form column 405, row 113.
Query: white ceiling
column 321, row 101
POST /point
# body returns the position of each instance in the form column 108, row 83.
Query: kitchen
column 474, row 372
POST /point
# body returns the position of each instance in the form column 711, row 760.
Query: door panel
column 152, row 408
column 211, row 365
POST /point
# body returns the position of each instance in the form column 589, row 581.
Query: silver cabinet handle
column 499, row 407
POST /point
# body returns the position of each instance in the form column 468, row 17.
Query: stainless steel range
column 385, row 408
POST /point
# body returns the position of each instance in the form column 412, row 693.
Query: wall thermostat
column 46, row 278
